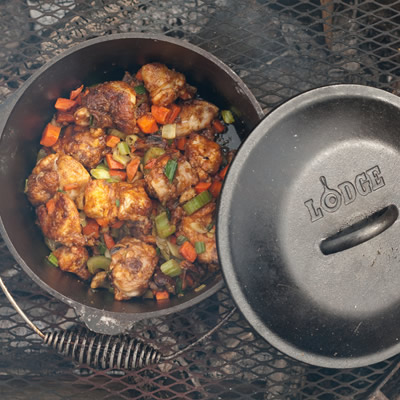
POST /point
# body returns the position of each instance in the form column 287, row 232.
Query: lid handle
column 361, row 231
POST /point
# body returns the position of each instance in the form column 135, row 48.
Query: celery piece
column 152, row 152
column 53, row 260
column 171, row 268
column 98, row 262
column 123, row 148
column 197, row 202
column 168, row 131
column 163, row 227
column 99, row 173
column 227, row 116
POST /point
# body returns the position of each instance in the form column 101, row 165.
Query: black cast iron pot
column 22, row 121
column 308, row 230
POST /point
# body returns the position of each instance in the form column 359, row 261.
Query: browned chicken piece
column 132, row 265
column 59, row 220
column 86, row 145
column 112, row 104
column 56, row 172
column 203, row 153
column 195, row 116
column 158, row 184
column 101, row 200
column 133, row 201
column 164, row 84
column 73, row 259
column 195, row 228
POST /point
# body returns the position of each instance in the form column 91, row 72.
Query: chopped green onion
column 91, row 120
column 171, row 268
column 168, row 131
column 200, row 247
column 123, row 159
column 26, row 186
column 117, row 133
column 102, row 248
column 227, row 116
column 123, row 148
column 131, row 140
column 100, row 173
column 178, row 286
column 152, row 152
column 170, row 169
column 181, row 239
column 140, row 89
column 98, row 262
column 117, row 203
column 102, row 166
column 52, row 260
column 201, row 287
column 164, row 229
column 197, row 202
column 61, row 191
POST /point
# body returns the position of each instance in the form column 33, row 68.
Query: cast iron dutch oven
column 308, row 228
column 23, row 119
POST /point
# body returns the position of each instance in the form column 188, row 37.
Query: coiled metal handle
column 106, row 351
column 103, row 351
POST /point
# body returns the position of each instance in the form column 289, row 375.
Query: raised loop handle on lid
column 360, row 232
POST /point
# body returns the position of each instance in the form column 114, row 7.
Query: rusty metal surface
column 279, row 48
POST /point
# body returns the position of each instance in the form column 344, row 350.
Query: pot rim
column 224, row 209
column 90, row 314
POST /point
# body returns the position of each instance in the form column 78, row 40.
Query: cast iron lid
column 308, row 229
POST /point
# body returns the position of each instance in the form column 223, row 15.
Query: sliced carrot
column 188, row 251
column 181, row 143
column 223, row 172
column 71, row 186
column 139, row 75
column 219, row 126
column 161, row 114
column 115, row 173
column 112, row 141
column 132, row 168
column 147, row 123
column 151, row 163
column 160, row 296
column 109, row 241
column 51, row 206
column 102, row 221
column 50, row 135
column 91, row 228
column 75, row 93
column 202, row 186
column 175, row 110
column 117, row 224
column 62, row 117
column 64, row 104
column 112, row 164
column 215, row 188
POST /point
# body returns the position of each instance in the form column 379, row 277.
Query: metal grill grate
column 279, row 48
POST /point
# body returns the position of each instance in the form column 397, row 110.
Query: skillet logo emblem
column 345, row 193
